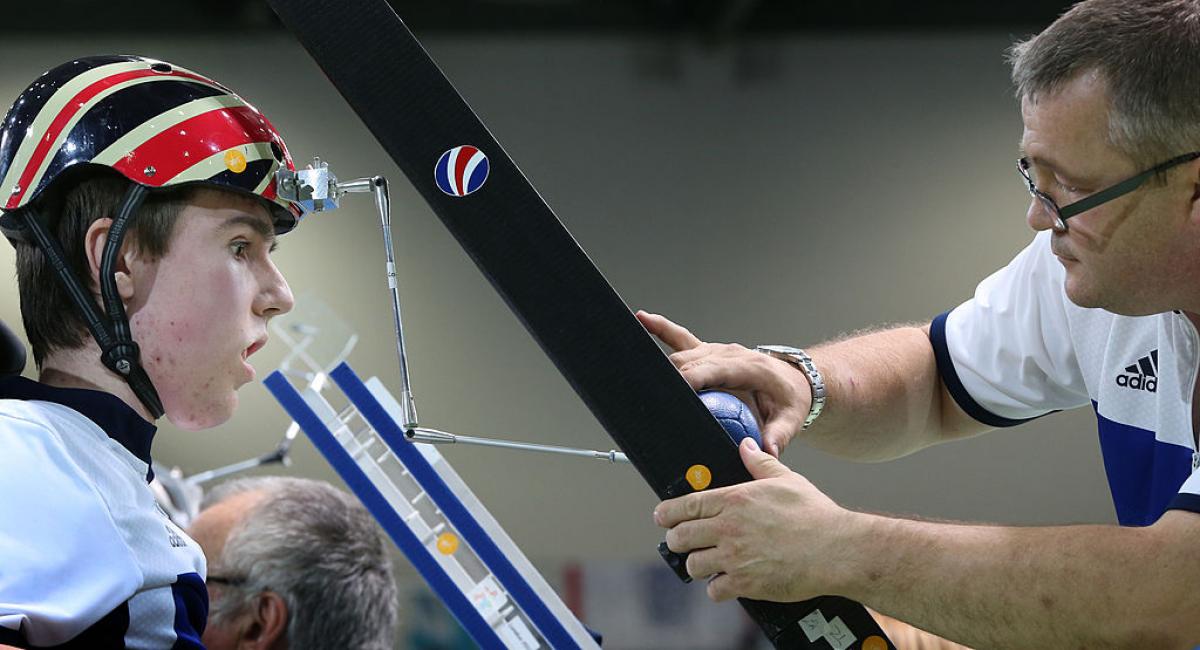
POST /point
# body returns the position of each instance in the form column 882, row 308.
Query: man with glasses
column 1101, row 309
column 294, row 563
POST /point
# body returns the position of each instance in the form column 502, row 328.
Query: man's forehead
column 212, row 526
column 1081, row 102
column 221, row 199
column 1068, row 125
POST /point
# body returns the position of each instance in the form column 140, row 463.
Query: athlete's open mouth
column 254, row 347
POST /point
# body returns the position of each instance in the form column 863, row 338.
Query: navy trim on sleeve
column 1185, row 501
column 107, row 633
column 945, row 366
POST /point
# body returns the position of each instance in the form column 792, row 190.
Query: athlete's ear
column 94, row 241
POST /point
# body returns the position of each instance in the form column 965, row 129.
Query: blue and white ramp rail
column 437, row 522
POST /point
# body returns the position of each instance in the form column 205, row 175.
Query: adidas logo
column 174, row 538
column 1142, row 375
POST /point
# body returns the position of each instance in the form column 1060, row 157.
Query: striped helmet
column 157, row 124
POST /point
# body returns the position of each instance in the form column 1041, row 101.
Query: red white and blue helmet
column 155, row 123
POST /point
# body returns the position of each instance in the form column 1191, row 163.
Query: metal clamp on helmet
column 315, row 188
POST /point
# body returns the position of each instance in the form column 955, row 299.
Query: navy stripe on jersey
column 1144, row 474
column 25, row 110
column 118, row 114
column 945, row 366
column 248, row 179
column 191, row 611
column 107, row 633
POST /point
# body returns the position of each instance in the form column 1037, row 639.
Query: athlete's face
column 200, row 310
column 1134, row 255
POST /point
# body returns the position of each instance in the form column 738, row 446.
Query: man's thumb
column 758, row 462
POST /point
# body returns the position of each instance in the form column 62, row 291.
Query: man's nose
column 1038, row 216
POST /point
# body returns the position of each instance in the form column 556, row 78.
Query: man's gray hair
column 1147, row 52
column 321, row 551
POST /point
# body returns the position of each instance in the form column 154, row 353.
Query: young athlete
column 141, row 198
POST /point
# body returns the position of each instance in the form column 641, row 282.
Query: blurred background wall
column 762, row 185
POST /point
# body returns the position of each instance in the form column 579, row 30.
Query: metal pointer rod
column 379, row 186
column 435, row 437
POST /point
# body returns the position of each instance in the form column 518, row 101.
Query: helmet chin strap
column 118, row 351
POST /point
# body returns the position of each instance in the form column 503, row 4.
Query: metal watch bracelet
column 800, row 359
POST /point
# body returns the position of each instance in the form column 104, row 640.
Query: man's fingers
column 778, row 430
column 720, row 588
column 703, row 563
column 707, row 374
column 729, row 366
column 685, row 357
column 759, row 463
column 677, row 337
column 692, row 535
column 699, row 505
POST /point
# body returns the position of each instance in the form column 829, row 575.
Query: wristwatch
column 804, row 363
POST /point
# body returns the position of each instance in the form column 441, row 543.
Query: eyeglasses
column 1103, row 196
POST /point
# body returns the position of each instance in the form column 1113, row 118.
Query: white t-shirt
column 87, row 558
column 1020, row 349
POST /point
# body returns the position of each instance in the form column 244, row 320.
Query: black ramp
column 542, row 274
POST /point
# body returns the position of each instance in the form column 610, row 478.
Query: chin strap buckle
column 121, row 357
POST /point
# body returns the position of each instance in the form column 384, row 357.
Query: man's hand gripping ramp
column 545, row 277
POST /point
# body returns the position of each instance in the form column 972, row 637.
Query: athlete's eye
column 239, row 248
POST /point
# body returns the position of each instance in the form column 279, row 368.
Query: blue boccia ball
column 733, row 414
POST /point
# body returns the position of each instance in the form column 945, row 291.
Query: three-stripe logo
column 1142, row 375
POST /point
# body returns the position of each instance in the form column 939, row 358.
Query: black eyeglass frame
column 1061, row 214
column 222, row 580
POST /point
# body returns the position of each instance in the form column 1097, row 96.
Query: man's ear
column 94, row 241
column 267, row 628
column 1195, row 189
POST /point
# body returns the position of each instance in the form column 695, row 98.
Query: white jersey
column 87, row 558
column 1021, row 349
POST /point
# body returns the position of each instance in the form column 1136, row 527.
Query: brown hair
column 51, row 319
column 1148, row 53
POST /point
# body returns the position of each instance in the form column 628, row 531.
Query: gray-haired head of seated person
column 316, row 547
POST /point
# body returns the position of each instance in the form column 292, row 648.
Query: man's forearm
column 883, row 395
column 1002, row 587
